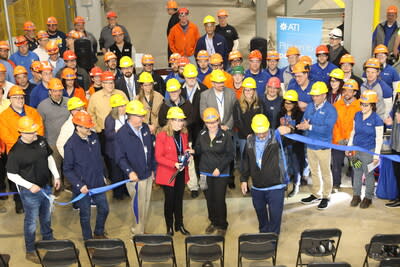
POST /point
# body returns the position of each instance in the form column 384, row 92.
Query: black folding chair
column 258, row 247
column 57, row 253
column 4, row 260
column 390, row 263
column 205, row 248
column 154, row 248
column 330, row 264
column 318, row 243
column 382, row 247
column 106, row 252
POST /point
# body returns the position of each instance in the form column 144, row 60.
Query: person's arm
column 325, row 126
column 235, row 45
column 396, row 44
column 53, row 169
column 17, row 179
column 69, row 168
column 350, row 143
column 378, row 141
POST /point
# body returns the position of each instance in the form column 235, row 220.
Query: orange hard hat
column 27, row 125
column 78, row 20
column 174, row 57
column 55, row 84
column 2, row 68
column 111, row 14
column 75, row 34
column 299, row 67
column 69, row 55
column 273, row 55
column 306, row 60
column 107, row 76
column 96, row 71
column 347, row 58
column 369, row 96
column 183, row 10
column 29, row 26
column 51, row 21
column 210, row 114
column 42, row 35
column 351, row 84
column 108, row 56
column 82, row 118
column 255, row 54
column 222, row 13
column 36, row 65
column 20, row 40
column 235, row 54
column 381, row 48
column 292, row 51
column 391, row 9
column 52, row 47
column 203, row 54
column 216, row 59
column 16, row 90
column 274, row 82
column 4, row 45
column 117, row 30
column 147, row 59
column 372, row 63
column 20, row 70
column 183, row 61
column 172, row 4
column 321, row 49
column 68, row 74
column 45, row 66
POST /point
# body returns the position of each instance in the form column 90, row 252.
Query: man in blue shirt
column 40, row 92
column 301, row 84
column 23, row 56
column 318, row 121
column 293, row 55
column 256, row 72
column 388, row 74
column 320, row 70
column 272, row 65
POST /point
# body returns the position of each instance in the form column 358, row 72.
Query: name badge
column 218, row 142
column 369, row 124
column 322, row 113
column 220, row 43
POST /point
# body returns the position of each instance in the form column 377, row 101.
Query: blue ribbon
column 274, row 187
column 279, row 139
column 136, row 202
column 210, row 174
column 8, row 194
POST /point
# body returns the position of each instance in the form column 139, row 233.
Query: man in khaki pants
column 318, row 121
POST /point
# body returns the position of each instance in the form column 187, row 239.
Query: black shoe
column 232, row 185
column 323, row 204
column 392, row 204
column 194, row 193
column 294, row 191
column 309, row 200
column 170, row 231
column 182, row 230
column 210, row 229
column 19, row 209
column 303, row 181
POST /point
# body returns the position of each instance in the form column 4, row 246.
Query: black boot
column 170, row 231
column 182, row 230
column 294, row 191
column 19, row 209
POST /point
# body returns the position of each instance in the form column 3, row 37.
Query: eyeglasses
column 183, row 14
column 364, row 105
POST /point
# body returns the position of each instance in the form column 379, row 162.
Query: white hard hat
column 336, row 33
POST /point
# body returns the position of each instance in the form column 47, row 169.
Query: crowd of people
column 69, row 124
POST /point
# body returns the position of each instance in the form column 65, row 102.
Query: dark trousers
column 301, row 152
column 396, row 170
column 269, row 208
column 336, row 167
column 3, row 179
column 216, row 205
column 117, row 175
column 173, row 202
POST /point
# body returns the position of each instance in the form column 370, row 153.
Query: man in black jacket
column 172, row 9
column 128, row 82
column 261, row 161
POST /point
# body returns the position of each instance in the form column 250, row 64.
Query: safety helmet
column 337, row 74
column 237, row 70
column 145, row 77
column 274, row 82
column 218, row 76
column 173, row 85
column 369, row 96
column 45, row 66
column 235, row 54
column 117, row 30
column 126, row 62
column 51, row 21
column 183, row 61
column 82, row 118
column 249, row 82
column 391, row 9
column 318, row 88
column 336, row 34
column 372, row 63
column 118, row 100
column 27, row 125
column 147, row 59
column 69, row 55
column 29, row 26
column 292, row 51
column 79, row 20
column 255, row 54
column 95, row 71
column 321, row 49
column 55, row 84
column 347, row 58
column 260, row 123
column 16, row 90
column 175, row 113
column 190, row 71
column 306, row 60
column 109, row 55
column 74, row 103
column 291, row 95
column 107, row 76
column 398, row 88
column 273, row 55
column 381, row 48
column 210, row 114
column 52, row 47
column 216, row 59
column 20, row 40
column 42, row 35
column 183, row 10
column 135, row 107
column 174, row 57
column 203, row 54
column 3, row 68
column 222, row 13
column 351, row 84
column 300, row 67
column 36, row 65
column 4, row 45
column 68, row 74
column 111, row 14
column 172, row 4
column 208, row 19
column 19, row 70
column 75, row 34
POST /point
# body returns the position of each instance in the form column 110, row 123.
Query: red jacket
column 166, row 157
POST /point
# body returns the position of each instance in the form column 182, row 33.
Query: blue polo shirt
column 278, row 74
column 10, row 71
column 39, row 93
column 25, row 61
column 261, row 79
column 202, row 75
column 365, row 134
column 319, row 74
column 303, row 94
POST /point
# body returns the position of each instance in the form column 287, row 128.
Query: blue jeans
column 85, row 211
column 369, row 176
column 36, row 205
column 269, row 219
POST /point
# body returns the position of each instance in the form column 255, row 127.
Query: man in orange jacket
column 9, row 124
column 346, row 108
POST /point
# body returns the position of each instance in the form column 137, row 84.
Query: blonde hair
column 245, row 105
column 141, row 95
column 168, row 128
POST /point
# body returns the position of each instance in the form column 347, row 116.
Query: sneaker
column 323, row 204
column 194, row 193
column 309, row 200
column 31, row 256
column 393, row 204
column 210, row 229
column 355, row 201
column 365, row 203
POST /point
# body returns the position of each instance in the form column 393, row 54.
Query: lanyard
column 220, row 100
column 189, row 96
column 179, row 146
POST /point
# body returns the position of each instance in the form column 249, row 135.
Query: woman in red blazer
column 171, row 144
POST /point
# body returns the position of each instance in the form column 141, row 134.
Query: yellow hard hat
column 260, row 123
column 249, row 83
column 218, row 76
column 135, row 107
column 173, row 85
column 210, row 114
column 74, row 103
column 291, row 95
column 337, row 74
column 175, row 113
column 125, row 62
column 145, row 77
column 318, row 88
column 398, row 88
column 118, row 100
column 208, row 19
column 190, row 71
column 27, row 125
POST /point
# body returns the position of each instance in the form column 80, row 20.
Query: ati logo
column 294, row 27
